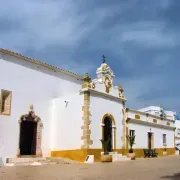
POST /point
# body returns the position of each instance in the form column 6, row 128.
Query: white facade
column 66, row 122
column 35, row 84
column 106, row 99
column 57, row 97
column 72, row 109
column 105, row 106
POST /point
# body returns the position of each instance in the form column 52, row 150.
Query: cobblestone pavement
column 164, row 168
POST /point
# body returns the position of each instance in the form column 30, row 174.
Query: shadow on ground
column 176, row 176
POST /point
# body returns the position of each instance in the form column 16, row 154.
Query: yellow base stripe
column 76, row 154
column 80, row 154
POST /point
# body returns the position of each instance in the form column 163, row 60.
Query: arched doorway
column 109, row 131
column 30, row 135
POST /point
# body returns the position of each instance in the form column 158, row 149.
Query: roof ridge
column 32, row 60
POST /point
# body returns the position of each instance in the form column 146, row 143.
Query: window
column 157, row 113
column 178, row 131
column 5, row 102
column 132, row 132
column 164, row 139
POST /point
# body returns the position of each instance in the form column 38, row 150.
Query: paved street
column 164, row 168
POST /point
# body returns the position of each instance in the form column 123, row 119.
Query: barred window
column 5, row 102
column 132, row 132
column 164, row 139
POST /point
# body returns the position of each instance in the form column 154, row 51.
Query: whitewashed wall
column 177, row 124
column 142, row 138
column 34, row 85
column 66, row 122
column 101, row 105
column 177, row 133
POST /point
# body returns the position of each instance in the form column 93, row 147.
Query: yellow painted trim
column 110, row 116
column 137, row 116
column 75, row 154
column 155, row 121
column 127, row 146
column 81, row 154
column 140, row 153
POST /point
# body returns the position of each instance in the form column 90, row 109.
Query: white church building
column 46, row 111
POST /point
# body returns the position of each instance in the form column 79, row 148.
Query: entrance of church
column 108, row 133
column 150, row 140
column 28, row 134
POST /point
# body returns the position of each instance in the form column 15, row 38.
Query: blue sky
column 139, row 37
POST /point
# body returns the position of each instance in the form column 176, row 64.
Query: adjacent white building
column 47, row 111
column 151, row 130
column 156, row 110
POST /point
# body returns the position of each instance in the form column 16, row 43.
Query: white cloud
column 155, row 89
column 149, row 34
column 135, row 87
column 42, row 24
column 48, row 23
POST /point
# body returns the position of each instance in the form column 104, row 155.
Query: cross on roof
column 104, row 58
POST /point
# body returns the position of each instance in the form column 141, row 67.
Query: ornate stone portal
column 123, row 138
column 86, row 138
column 37, row 119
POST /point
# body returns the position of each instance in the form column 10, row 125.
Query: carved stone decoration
column 86, row 132
column 104, row 71
column 37, row 119
column 93, row 86
column 123, row 138
column 86, row 81
column 107, row 83
column 121, row 90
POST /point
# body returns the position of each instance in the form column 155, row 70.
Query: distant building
column 177, row 132
column 153, row 127
column 156, row 110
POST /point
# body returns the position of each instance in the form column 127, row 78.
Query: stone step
column 37, row 161
column 31, row 163
column 26, row 159
column 119, row 157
